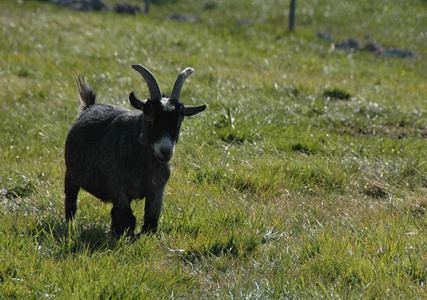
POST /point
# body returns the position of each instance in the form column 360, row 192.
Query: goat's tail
column 87, row 95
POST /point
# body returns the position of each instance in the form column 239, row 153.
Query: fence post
column 147, row 7
column 292, row 15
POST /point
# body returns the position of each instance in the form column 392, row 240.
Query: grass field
column 306, row 177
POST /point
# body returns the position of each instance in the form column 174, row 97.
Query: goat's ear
column 135, row 102
column 193, row 110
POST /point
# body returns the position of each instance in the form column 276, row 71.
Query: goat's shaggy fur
column 119, row 155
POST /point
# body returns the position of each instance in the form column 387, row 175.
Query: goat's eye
column 149, row 119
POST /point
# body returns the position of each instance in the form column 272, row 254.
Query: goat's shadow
column 65, row 239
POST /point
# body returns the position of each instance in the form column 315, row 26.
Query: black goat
column 119, row 155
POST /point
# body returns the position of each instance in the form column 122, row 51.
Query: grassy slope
column 284, row 193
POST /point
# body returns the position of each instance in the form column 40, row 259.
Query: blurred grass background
column 304, row 178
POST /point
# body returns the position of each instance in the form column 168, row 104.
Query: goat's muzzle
column 163, row 149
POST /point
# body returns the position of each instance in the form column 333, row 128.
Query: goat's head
column 163, row 115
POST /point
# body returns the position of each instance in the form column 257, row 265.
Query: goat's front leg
column 123, row 220
column 153, row 207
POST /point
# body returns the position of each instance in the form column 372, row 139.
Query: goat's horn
column 176, row 92
column 153, row 86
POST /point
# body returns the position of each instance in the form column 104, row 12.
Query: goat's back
column 96, row 143
column 98, row 126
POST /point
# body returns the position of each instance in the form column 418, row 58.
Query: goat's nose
column 163, row 149
column 166, row 153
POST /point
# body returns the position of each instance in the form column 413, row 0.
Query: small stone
column 179, row 17
column 323, row 35
column 373, row 47
column 126, row 8
column 400, row 53
column 351, row 43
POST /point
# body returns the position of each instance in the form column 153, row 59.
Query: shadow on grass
column 61, row 239
column 233, row 246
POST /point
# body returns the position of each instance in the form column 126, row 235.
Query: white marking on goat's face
column 164, row 148
column 167, row 105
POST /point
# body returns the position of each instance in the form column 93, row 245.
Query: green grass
column 306, row 177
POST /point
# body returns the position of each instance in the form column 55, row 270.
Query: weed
column 375, row 191
column 336, row 94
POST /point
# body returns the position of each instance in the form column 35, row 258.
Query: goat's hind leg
column 71, row 192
